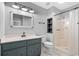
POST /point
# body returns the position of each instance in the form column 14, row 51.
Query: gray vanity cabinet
column 30, row 47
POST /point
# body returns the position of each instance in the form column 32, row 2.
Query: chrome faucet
column 23, row 34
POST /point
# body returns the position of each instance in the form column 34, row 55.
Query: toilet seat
column 48, row 44
column 48, row 47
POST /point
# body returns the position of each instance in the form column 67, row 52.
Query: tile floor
column 53, row 52
column 48, row 52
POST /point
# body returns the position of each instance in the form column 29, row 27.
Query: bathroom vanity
column 21, row 47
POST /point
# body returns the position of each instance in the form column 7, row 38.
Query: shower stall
column 65, row 29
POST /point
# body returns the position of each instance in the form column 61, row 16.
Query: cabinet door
column 22, row 51
column 16, row 52
column 34, row 50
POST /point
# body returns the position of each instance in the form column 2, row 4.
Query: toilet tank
column 47, row 37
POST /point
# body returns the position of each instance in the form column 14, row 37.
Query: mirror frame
column 25, row 14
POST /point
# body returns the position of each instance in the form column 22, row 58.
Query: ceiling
column 36, row 8
column 45, row 8
column 60, row 6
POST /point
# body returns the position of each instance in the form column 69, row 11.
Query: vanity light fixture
column 15, row 5
column 24, row 9
column 31, row 11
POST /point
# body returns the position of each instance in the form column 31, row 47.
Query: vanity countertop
column 18, row 38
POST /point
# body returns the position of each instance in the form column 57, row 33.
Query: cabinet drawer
column 33, row 41
column 16, row 52
column 13, row 45
column 10, row 53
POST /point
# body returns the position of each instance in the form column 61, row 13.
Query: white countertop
column 18, row 38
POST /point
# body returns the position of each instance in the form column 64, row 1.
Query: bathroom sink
column 18, row 38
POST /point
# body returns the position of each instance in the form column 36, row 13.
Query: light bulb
column 31, row 11
column 15, row 6
column 24, row 9
column 67, row 23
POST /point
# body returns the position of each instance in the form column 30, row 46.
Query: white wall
column 37, row 29
column 12, row 30
column 2, row 8
column 40, row 29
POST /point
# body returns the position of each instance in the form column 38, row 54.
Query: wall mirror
column 21, row 20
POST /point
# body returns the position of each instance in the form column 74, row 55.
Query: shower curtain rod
column 66, row 11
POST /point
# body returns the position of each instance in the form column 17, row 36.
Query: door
column 59, row 31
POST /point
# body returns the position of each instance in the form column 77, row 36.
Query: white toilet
column 47, row 42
